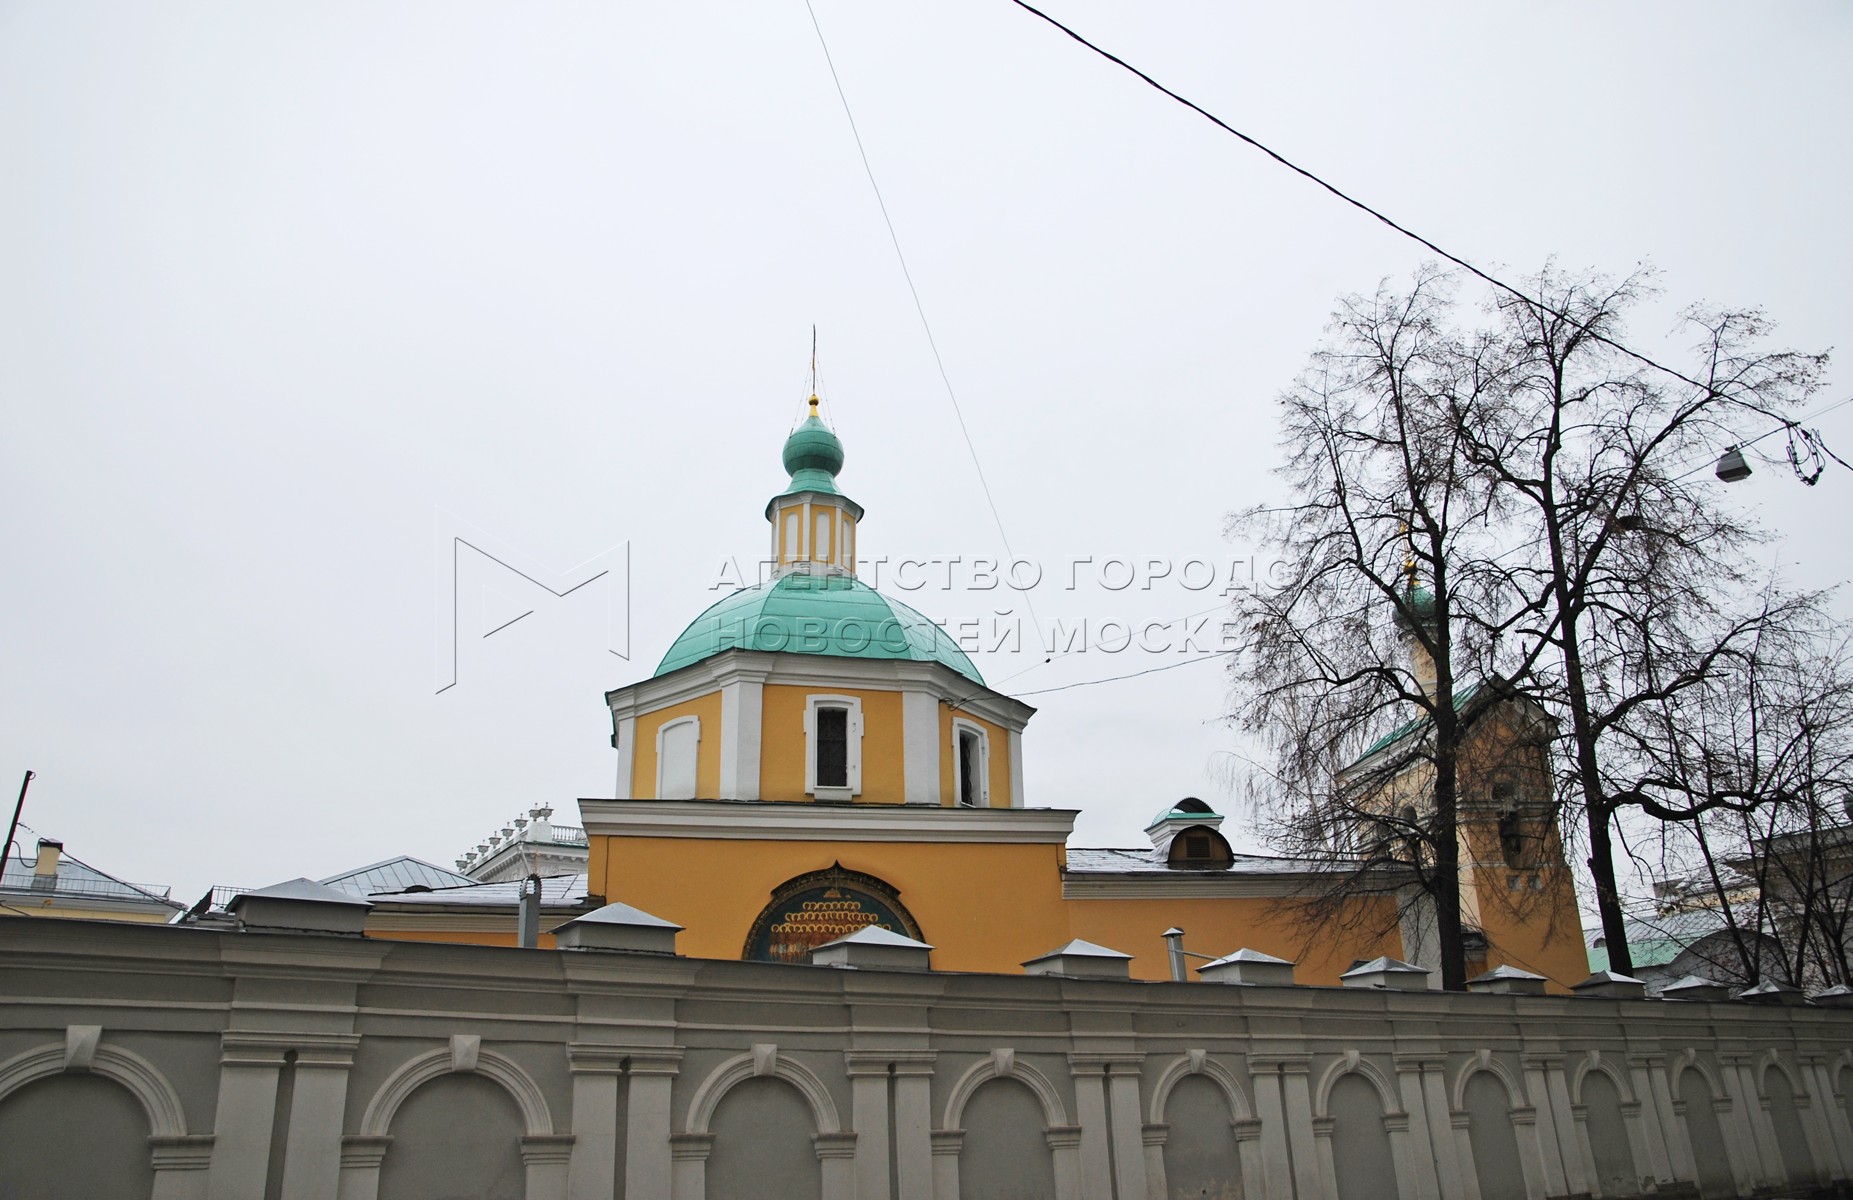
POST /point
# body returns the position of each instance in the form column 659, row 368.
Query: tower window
column 1512, row 840
column 968, row 769
column 832, row 747
column 971, row 764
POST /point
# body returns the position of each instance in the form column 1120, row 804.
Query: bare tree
column 1628, row 565
column 1511, row 506
column 1756, row 765
column 1382, row 614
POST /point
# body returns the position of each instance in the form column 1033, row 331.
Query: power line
column 1131, row 675
column 1359, row 204
column 1773, row 431
column 919, row 308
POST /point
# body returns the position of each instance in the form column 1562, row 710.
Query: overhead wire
column 1360, row 205
column 919, row 308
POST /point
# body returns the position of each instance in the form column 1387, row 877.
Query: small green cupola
column 813, row 523
column 813, row 455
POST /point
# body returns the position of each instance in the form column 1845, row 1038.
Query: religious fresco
column 820, row 907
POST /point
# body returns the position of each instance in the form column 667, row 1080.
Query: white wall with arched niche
column 296, row 1066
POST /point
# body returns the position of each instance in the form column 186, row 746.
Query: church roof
column 829, row 614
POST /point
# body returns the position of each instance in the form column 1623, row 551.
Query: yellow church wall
column 707, row 754
column 1223, row 925
column 998, row 741
column 986, row 907
column 782, row 743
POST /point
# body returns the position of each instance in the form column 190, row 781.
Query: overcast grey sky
column 283, row 284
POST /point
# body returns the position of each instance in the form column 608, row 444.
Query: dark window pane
column 968, row 770
column 832, row 747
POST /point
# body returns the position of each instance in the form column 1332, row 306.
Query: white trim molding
column 765, row 820
column 852, row 778
column 962, row 726
column 822, row 672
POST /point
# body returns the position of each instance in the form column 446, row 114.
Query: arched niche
column 820, row 906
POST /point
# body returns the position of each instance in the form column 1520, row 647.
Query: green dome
column 813, row 456
column 834, row 615
column 1419, row 604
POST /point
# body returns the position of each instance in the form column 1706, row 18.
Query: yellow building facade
column 812, row 757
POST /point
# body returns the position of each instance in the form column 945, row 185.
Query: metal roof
column 76, row 877
column 834, row 615
column 558, row 891
column 396, row 875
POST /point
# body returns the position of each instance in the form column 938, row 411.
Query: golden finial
column 813, row 404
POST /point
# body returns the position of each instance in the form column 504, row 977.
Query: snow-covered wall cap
column 1610, row 985
column 1247, row 966
column 875, row 935
column 301, row 906
column 1388, row 973
column 873, row 948
column 623, row 914
column 618, row 927
column 306, row 890
column 1082, row 960
column 1507, row 980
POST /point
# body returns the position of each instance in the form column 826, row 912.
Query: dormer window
column 833, row 747
column 1199, row 848
column 971, row 764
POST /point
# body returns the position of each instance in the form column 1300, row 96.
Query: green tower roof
column 834, row 615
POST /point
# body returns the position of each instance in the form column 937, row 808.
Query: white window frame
column 661, row 731
column 853, row 728
column 960, row 726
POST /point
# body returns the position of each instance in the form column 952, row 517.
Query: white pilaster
column 627, row 757
column 318, row 1107
column 246, row 1111
column 597, row 1075
column 920, row 747
column 1015, row 743
column 913, row 1126
column 651, row 1155
column 868, row 1094
column 1090, row 1101
column 742, row 720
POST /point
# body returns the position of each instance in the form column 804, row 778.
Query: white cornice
column 817, row 670
column 793, row 822
column 1189, row 885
